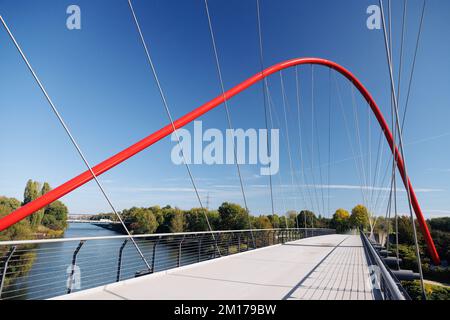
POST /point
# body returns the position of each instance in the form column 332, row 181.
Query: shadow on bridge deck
column 329, row 267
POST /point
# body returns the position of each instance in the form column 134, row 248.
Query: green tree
column 341, row 220
column 441, row 224
column 274, row 220
column 214, row 219
column 322, row 222
column 233, row 217
column 23, row 259
column 55, row 216
column 32, row 192
column 382, row 225
column 307, row 219
column 140, row 220
column 158, row 213
column 195, row 219
column 19, row 231
column 442, row 242
column 45, row 188
column 292, row 219
column 262, row 222
column 359, row 217
column 405, row 230
column 177, row 221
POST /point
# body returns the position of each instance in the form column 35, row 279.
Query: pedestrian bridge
column 330, row 267
column 95, row 222
column 280, row 264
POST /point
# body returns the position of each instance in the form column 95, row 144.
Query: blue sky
column 99, row 79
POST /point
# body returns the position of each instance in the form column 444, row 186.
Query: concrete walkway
column 326, row 267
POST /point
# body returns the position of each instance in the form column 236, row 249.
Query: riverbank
column 47, row 233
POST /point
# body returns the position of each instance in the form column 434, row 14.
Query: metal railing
column 40, row 269
column 384, row 283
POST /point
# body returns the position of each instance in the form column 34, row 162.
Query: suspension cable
column 402, row 40
column 393, row 189
column 265, row 93
column 389, row 60
column 388, row 215
column 413, row 64
column 341, row 104
column 270, row 105
column 369, row 162
column 381, row 187
column 358, row 135
column 228, row 116
column 72, row 139
column 319, row 159
column 329, row 140
column 405, row 3
column 169, row 115
column 288, row 107
column 300, row 136
column 284, row 99
column 376, row 171
column 312, row 142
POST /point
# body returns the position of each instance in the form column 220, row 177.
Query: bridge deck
column 325, row 267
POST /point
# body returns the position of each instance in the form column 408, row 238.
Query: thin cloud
column 348, row 187
column 155, row 189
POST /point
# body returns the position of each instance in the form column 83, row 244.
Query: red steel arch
column 113, row 161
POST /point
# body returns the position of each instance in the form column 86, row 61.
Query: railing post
column 216, row 243
column 154, row 254
column 119, row 262
column 179, row 252
column 74, row 261
column 199, row 249
column 5, row 267
column 239, row 242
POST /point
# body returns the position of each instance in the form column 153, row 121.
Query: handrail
column 149, row 235
column 129, row 152
column 45, row 270
column 390, row 284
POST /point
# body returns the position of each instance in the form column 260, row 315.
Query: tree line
column 231, row 216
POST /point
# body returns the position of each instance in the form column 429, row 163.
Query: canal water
column 96, row 263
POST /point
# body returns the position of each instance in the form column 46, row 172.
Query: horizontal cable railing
column 40, row 269
column 384, row 283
